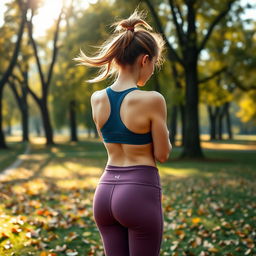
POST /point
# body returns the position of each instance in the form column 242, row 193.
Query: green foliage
column 8, row 33
column 247, row 104
column 69, row 80
column 215, row 93
column 232, row 44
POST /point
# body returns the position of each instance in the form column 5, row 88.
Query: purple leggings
column 127, row 209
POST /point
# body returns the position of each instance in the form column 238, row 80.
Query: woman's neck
column 126, row 79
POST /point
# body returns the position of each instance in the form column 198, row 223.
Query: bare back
column 136, row 113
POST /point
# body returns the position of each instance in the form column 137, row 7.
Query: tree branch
column 20, row 69
column 216, row 73
column 15, row 92
column 176, row 76
column 239, row 84
column 180, row 14
column 16, row 50
column 191, row 30
column 213, row 25
column 179, row 29
column 172, row 53
column 37, row 99
column 17, row 78
column 55, row 49
column 30, row 30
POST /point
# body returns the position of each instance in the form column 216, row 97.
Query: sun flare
column 49, row 12
column 46, row 16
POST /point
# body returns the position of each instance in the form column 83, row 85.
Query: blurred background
column 209, row 62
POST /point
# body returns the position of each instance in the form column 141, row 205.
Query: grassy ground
column 209, row 206
column 7, row 159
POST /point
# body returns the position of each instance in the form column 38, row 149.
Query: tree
column 190, row 43
column 230, row 50
column 71, row 95
column 22, row 7
column 45, row 81
column 19, row 88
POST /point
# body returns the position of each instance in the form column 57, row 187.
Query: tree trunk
column 25, row 127
column 173, row 124
column 45, row 81
column 3, row 144
column 228, row 120
column 9, row 128
column 212, row 121
column 23, row 106
column 72, row 118
column 192, row 148
column 24, row 109
column 220, row 126
column 182, row 118
column 175, row 108
column 189, row 49
column 9, row 70
column 47, row 123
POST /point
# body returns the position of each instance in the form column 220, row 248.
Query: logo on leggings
column 117, row 176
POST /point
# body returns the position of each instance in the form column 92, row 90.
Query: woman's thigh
column 114, row 236
column 139, row 208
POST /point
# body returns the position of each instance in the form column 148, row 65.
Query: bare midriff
column 129, row 155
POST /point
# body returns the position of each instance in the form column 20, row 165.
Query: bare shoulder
column 153, row 98
column 96, row 96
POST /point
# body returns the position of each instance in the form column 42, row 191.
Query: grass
column 7, row 159
column 46, row 204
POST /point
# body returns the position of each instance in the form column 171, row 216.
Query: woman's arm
column 159, row 130
column 93, row 106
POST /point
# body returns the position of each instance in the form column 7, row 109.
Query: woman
column 131, row 122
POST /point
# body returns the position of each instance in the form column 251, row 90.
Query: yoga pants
column 127, row 209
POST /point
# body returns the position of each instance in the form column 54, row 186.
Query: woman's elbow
column 163, row 158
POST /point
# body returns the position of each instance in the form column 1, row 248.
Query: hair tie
column 130, row 28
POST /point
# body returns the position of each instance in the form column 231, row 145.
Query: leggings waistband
column 129, row 168
column 134, row 174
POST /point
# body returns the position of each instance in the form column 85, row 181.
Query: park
column 51, row 155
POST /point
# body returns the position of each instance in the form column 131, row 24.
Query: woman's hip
column 136, row 174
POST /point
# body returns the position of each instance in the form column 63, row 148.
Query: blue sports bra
column 114, row 130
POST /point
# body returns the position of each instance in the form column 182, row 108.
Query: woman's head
column 131, row 40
